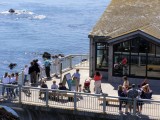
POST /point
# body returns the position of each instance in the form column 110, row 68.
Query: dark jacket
column 32, row 69
column 44, row 86
column 62, row 88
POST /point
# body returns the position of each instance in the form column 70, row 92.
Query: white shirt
column 5, row 80
column 77, row 75
column 54, row 86
column 13, row 79
column 40, row 64
column 26, row 70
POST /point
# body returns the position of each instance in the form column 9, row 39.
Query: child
column 54, row 85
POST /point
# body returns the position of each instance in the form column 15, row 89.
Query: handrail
column 66, row 65
column 76, row 105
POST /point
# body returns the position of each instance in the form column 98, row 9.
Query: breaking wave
column 24, row 14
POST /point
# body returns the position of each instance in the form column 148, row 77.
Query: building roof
column 124, row 16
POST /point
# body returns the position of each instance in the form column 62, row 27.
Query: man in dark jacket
column 32, row 72
column 37, row 68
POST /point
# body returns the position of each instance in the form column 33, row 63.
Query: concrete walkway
column 107, row 87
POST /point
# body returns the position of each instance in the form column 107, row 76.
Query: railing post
column 104, row 102
column 22, row 77
column 20, row 95
column 75, row 101
column 60, row 72
column 134, row 106
column 47, row 97
column 70, row 61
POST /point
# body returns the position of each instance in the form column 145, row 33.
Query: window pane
column 121, row 57
column 153, row 67
column 102, row 56
column 138, row 64
column 138, row 58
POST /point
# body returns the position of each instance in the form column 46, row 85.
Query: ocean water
column 54, row 26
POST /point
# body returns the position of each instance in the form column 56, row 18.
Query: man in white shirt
column 77, row 76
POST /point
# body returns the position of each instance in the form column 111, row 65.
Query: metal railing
column 74, row 100
column 81, row 101
column 66, row 63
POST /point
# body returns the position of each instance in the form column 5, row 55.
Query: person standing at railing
column 145, row 81
column 25, row 71
column 139, row 97
column 77, row 76
column 5, row 80
column 12, row 81
column 32, row 72
column 37, row 70
column 132, row 94
column 147, row 91
column 125, row 83
column 56, row 63
column 16, row 83
column 121, row 93
column 97, row 84
column 47, row 65
column 41, row 69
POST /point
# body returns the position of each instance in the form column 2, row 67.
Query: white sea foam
column 24, row 14
column 39, row 17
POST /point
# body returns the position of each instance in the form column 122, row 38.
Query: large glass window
column 102, row 56
column 153, row 66
column 142, row 58
column 138, row 57
column 121, row 57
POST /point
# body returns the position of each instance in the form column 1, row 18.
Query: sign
column 67, row 78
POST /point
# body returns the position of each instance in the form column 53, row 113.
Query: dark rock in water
column 12, row 65
column 46, row 55
column 11, row 10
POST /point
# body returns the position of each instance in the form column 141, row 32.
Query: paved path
column 109, row 88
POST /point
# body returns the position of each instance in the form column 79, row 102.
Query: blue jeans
column 25, row 78
column 4, row 88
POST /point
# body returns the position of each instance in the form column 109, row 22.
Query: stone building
column 126, row 40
